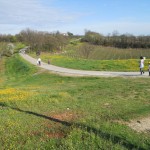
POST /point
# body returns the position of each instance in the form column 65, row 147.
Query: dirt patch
column 140, row 125
column 66, row 116
column 56, row 129
column 54, row 135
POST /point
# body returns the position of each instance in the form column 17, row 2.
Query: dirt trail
column 73, row 72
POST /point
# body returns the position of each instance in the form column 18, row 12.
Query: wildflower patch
column 12, row 94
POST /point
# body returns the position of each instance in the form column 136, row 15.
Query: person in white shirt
column 141, row 65
column 39, row 61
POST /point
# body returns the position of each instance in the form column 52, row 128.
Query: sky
column 76, row 16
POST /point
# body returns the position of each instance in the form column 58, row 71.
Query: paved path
column 73, row 72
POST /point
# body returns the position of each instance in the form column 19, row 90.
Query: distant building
column 65, row 34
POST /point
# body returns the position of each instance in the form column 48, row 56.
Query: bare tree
column 85, row 50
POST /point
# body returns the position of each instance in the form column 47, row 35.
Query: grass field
column 40, row 110
column 88, row 64
column 100, row 58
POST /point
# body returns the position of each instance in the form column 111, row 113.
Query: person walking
column 48, row 61
column 149, row 68
column 39, row 61
column 141, row 65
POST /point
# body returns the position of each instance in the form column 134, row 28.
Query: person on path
column 39, row 61
column 48, row 62
column 141, row 65
column 149, row 68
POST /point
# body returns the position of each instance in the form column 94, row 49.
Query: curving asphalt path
column 73, row 72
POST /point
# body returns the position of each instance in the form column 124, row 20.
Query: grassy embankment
column 39, row 110
column 101, row 59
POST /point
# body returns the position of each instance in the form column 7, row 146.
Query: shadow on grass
column 114, row 138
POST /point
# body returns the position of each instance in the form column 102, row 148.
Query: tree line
column 116, row 40
column 56, row 41
column 38, row 40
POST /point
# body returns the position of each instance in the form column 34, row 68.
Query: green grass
column 34, row 110
column 16, row 69
column 87, row 64
column 18, row 46
column 100, row 59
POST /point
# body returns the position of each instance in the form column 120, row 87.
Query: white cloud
column 31, row 13
column 16, row 15
column 27, row 10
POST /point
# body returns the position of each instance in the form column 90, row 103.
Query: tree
column 93, row 38
column 70, row 34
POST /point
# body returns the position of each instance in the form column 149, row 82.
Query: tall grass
column 108, row 53
column 47, row 111
column 98, row 65
column 100, row 59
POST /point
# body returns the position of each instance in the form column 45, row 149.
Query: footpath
column 73, row 72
